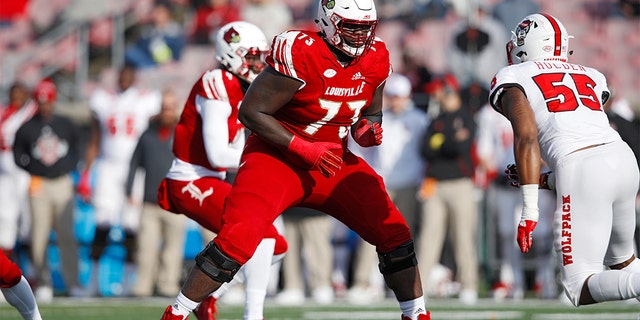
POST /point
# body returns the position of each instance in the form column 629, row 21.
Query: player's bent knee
column 573, row 289
column 10, row 274
column 400, row 258
column 216, row 264
column 281, row 245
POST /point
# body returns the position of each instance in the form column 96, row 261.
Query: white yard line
column 440, row 315
column 468, row 315
column 585, row 316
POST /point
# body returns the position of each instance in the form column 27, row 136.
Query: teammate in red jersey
column 208, row 141
column 16, row 289
column 300, row 109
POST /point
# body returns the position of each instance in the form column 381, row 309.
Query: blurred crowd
column 443, row 158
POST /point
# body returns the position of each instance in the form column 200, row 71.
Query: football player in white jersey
column 118, row 119
column 556, row 111
column 14, row 182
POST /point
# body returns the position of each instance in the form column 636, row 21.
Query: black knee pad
column 214, row 263
column 400, row 258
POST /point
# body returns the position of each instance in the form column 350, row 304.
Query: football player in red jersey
column 209, row 141
column 317, row 86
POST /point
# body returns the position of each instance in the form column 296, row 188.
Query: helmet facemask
column 252, row 63
column 354, row 37
column 241, row 48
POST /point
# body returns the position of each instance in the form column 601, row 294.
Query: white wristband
column 530, row 201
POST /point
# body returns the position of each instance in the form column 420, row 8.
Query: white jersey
column 595, row 187
column 123, row 116
column 567, row 101
column 15, row 218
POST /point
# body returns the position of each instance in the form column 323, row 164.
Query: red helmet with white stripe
column 539, row 37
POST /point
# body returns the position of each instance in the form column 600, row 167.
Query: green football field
column 441, row 309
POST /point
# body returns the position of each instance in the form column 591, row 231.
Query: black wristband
column 543, row 183
column 376, row 117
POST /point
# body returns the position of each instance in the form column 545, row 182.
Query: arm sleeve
column 215, row 133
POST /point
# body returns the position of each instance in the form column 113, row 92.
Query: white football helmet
column 241, row 48
column 538, row 37
column 348, row 25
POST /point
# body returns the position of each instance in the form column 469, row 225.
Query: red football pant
column 10, row 273
column 203, row 201
column 267, row 184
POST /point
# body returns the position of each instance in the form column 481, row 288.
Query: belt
column 52, row 176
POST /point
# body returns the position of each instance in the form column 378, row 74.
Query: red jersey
column 330, row 100
column 332, row 96
column 194, row 186
column 217, row 84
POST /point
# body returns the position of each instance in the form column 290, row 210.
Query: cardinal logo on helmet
column 231, row 36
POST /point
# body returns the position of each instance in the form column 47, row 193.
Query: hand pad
column 368, row 133
column 318, row 155
column 525, row 231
